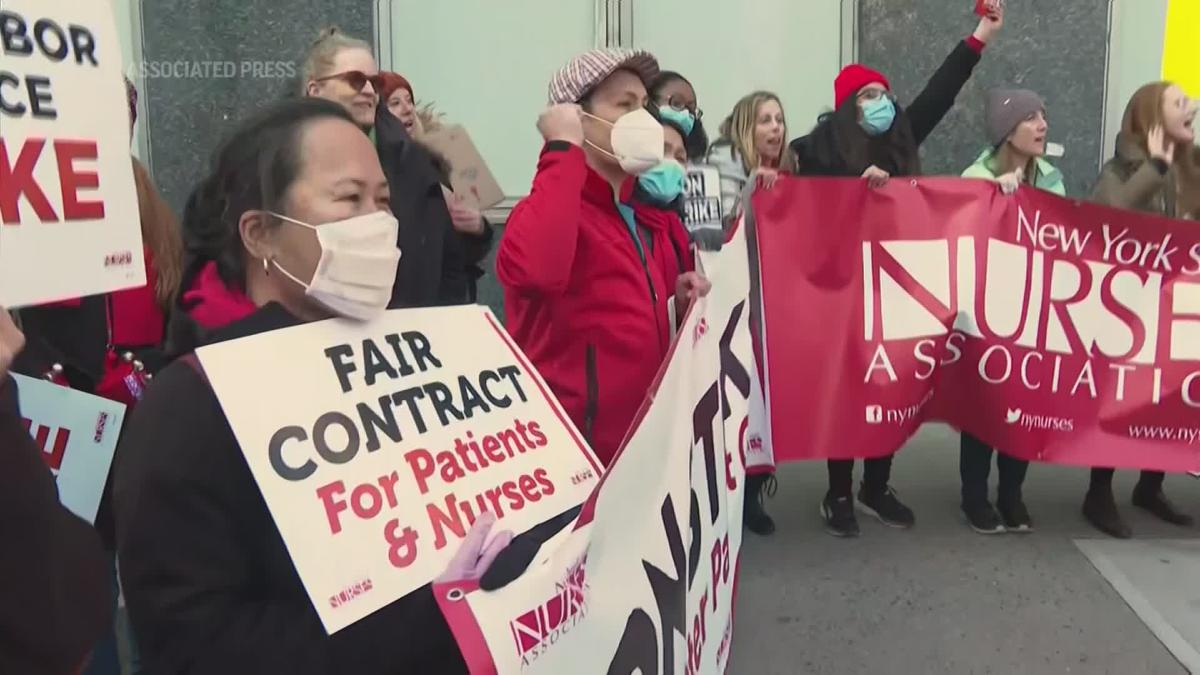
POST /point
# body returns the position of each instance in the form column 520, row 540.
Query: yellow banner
column 1181, row 46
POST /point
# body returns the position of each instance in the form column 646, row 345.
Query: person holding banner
column 294, row 221
column 753, row 145
column 433, row 272
column 1155, row 170
column 56, row 583
column 673, row 91
column 869, row 135
column 587, row 270
column 1016, row 131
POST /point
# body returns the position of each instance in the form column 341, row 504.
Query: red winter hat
column 852, row 78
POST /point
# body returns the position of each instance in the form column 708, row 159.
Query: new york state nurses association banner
column 1054, row 329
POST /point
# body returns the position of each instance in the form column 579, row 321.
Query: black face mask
column 697, row 142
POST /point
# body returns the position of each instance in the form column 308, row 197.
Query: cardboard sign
column 1055, row 330
column 644, row 582
column 376, row 445
column 703, row 214
column 469, row 174
column 77, row 433
column 68, row 210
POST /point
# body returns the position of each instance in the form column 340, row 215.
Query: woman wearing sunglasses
column 342, row 69
column 435, row 269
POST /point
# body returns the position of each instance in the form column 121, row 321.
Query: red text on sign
column 17, row 181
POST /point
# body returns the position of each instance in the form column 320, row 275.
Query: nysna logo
column 539, row 629
column 1013, row 416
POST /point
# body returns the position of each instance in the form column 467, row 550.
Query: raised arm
column 939, row 94
column 538, row 247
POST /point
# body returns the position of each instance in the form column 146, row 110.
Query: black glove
column 515, row 558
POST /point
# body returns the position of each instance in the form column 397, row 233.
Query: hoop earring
column 266, row 267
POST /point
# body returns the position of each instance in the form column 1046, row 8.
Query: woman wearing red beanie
column 869, row 135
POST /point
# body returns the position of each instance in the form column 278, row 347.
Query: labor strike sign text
column 68, row 210
column 1054, row 329
column 77, row 433
column 377, row 445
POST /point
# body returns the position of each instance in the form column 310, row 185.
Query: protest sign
column 470, row 176
column 645, row 580
column 702, row 213
column 1053, row 329
column 68, row 210
column 376, row 445
column 77, row 433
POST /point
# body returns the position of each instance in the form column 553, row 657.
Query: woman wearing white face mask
column 586, row 269
column 290, row 227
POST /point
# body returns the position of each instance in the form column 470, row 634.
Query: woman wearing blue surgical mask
column 672, row 91
column 870, row 135
column 290, row 227
column 662, row 187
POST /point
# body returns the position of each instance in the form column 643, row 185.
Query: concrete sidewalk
column 940, row 598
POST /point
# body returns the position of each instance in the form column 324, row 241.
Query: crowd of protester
column 595, row 264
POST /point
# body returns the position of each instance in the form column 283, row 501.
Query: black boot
column 1100, row 509
column 1154, row 501
column 754, row 516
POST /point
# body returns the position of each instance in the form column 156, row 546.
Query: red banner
column 1055, row 330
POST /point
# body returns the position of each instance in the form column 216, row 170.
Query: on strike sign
column 376, row 446
column 77, row 433
column 68, row 210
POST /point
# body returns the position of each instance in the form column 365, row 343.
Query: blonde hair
column 324, row 51
column 738, row 131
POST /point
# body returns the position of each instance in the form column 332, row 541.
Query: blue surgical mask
column 878, row 116
column 683, row 118
column 664, row 183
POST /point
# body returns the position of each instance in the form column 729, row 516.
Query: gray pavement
column 940, row 598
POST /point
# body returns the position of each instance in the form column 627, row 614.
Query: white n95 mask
column 637, row 141
column 357, row 269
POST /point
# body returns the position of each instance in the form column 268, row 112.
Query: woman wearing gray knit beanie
column 1016, row 133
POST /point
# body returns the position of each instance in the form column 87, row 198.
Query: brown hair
column 324, row 50
column 1145, row 112
column 161, row 235
column 738, row 131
